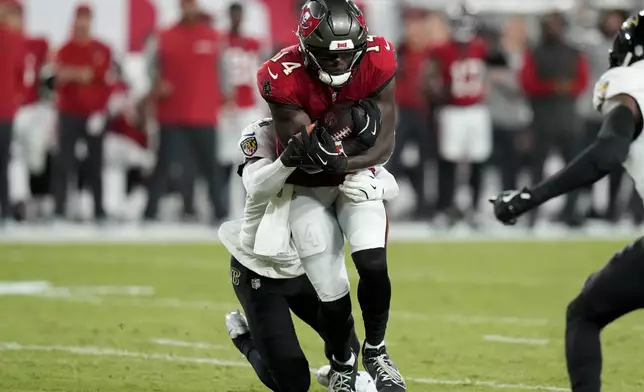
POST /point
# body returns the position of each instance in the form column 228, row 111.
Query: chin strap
column 334, row 80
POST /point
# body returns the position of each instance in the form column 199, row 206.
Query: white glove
column 362, row 186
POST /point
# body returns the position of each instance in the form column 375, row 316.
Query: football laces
column 341, row 134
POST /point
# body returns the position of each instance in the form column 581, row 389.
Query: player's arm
column 288, row 120
column 607, row 152
column 384, row 144
column 263, row 178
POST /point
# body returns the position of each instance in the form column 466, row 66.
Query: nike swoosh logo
column 322, row 161
column 274, row 76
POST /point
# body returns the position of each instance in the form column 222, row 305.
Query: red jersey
column 36, row 50
column 242, row 59
column 409, row 81
column 188, row 57
column 462, row 69
column 84, row 99
column 11, row 70
column 285, row 80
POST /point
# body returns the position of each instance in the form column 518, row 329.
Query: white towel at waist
column 273, row 238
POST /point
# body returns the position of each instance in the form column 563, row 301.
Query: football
column 339, row 120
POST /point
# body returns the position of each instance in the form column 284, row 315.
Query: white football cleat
column 236, row 324
column 323, row 375
column 364, row 382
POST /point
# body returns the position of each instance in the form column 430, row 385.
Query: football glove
column 368, row 127
column 362, row 186
column 296, row 152
column 509, row 205
column 326, row 153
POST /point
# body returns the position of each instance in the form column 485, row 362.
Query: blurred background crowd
column 128, row 110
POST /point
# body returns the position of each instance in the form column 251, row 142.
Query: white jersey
column 629, row 81
column 257, row 141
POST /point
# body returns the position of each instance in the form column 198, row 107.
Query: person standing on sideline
column 83, row 88
column 596, row 42
column 32, row 124
column 240, row 59
column 183, row 66
column 413, row 128
column 11, row 70
column 553, row 76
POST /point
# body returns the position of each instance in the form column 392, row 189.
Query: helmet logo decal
column 308, row 22
column 346, row 44
column 632, row 21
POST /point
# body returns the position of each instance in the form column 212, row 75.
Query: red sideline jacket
column 85, row 99
column 11, row 73
column 188, row 58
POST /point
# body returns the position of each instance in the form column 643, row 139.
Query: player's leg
column 95, row 168
column 203, row 142
column 170, row 139
column 479, row 146
column 305, row 304
column 320, row 245
column 5, row 148
column 271, row 345
column 70, row 130
column 613, row 291
column 365, row 226
column 452, row 148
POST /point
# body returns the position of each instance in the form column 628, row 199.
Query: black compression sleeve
column 608, row 151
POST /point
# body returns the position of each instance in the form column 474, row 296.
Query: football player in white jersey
column 269, row 287
column 618, row 288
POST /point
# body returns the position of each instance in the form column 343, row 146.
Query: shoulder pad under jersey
column 257, row 140
column 279, row 77
column 619, row 80
column 381, row 59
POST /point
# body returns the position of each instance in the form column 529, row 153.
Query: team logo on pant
column 255, row 283
column 234, row 276
column 249, row 146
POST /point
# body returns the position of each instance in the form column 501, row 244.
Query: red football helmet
column 333, row 39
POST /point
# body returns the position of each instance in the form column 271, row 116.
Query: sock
column 377, row 346
column 350, row 362
column 374, row 293
column 338, row 326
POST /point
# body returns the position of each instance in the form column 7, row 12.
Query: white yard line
column 110, row 352
column 182, row 343
column 508, row 339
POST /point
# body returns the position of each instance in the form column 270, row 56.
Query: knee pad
column 370, row 260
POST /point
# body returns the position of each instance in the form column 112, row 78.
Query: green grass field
column 466, row 317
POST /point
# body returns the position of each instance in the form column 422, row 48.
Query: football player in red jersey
column 337, row 62
column 457, row 86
